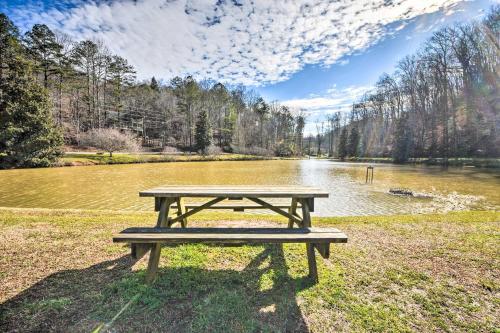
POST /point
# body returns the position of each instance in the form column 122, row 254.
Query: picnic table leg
column 181, row 209
column 154, row 256
column 293, row 211
column 311, row 258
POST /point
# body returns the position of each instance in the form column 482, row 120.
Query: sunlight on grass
column 397, row 273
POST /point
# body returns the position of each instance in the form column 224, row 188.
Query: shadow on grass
column 261, row 297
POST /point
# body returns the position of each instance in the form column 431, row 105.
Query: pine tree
column 402, row 140
column 28, row 137
column 154, row 84
column 352, row 146
column 203, row 136
column 342, row 149
column 9, row 42
column 262, row 109
column 44, row 50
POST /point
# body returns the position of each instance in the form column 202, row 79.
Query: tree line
column 441, row 102
column 91, row 88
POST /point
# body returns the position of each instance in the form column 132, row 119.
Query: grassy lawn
column 59, row 271
column 71, row 159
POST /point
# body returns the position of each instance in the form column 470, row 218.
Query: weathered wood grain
column 236, row 192
column 228, row 235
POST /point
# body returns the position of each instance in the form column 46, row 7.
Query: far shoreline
column 93, row 158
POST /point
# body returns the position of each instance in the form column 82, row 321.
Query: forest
column 441, row 102
column 91, row 88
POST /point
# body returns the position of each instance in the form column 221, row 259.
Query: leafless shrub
column 109, row 140
column 213, row 150
column 252, row 151
column 170, row 150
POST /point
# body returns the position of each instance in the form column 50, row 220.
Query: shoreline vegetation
column 493, row 163
column 60, row 271
column 91, row 158
column 88, row 158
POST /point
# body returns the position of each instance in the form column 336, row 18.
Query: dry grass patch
column 59, row 271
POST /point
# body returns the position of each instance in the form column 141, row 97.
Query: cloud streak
column 334, row 100
column 238, row 42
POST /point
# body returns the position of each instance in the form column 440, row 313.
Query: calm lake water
column 116, row 187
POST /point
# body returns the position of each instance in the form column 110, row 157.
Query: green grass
column 71, row 159
column 61, row 272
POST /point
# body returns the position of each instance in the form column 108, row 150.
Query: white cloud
column 317, row 108
column 235, row 41
column 334, row 100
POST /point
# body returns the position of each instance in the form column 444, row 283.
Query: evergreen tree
column 402, row 140
column 342, row 149
column 44, row 49
column 9, row 42
column 28, row 137
column 262, row 109
column 203, row 136
column 154, row 84
column 352, row 146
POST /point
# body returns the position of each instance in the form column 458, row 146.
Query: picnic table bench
column 171, row 198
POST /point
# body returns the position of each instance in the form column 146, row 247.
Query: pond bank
column 61, row 272
column 452, row 162
column 86, row 158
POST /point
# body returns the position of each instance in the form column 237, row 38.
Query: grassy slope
column 70, row 159
column 60, row 271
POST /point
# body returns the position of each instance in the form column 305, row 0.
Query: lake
column 116, row 187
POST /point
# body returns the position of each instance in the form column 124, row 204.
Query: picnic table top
column 235, row 191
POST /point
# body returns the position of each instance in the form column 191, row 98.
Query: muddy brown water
column 116, row 187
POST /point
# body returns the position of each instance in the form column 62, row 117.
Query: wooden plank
column 228, row 235
column 310, row 203
column 164, row 210
column 239, row 207
column 311, row 261
column 236, row 192
column 323, row 249
column 154, row 255
column 311, row 257
column 181, row 210
column 275, row 209
column 293, row 211
column 138, row 250
column 196, row 210
column 138, row 230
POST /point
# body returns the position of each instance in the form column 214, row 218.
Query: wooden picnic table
column 171, row 198
column 300, row 197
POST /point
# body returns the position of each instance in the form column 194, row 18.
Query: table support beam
column 154, row 255
column 196, row 210
column 311, row 257
column 293, row 211
column 181, row 211
column 275, row 209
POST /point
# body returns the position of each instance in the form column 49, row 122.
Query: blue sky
column 312, row 54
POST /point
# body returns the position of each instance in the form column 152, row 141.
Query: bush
column 213, row 150
column 170, row 150
column 109, row 140
column 284, row 150
column 252, row 151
